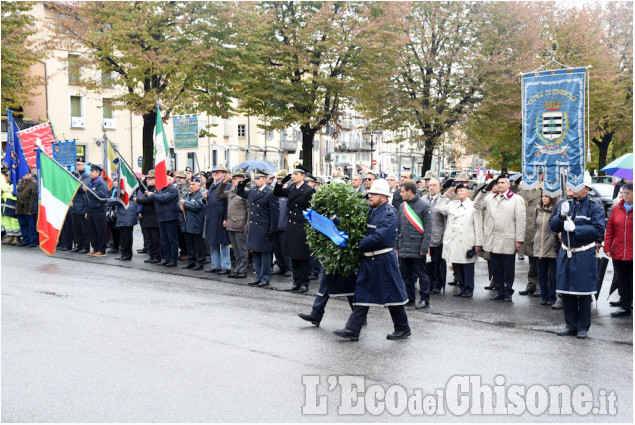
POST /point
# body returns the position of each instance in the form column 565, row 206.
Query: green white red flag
column 57, row 189
column 160, row 154
column 128, row 183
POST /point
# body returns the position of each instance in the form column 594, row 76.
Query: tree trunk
column 149, row 122
column 308, row 134
column 603, row 148
column 427, row 158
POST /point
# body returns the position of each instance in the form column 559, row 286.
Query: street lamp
column 370, row 137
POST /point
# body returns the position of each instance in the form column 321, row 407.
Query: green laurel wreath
column 341, row 200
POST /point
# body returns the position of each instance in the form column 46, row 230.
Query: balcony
column 347, row 146
column 288, row 144
column 22, row 123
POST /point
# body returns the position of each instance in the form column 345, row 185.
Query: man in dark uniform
column 283, row 261
column 96, row 211
column 262, row 210
column 379, row 282
column 581, row 224
column 78, row 215
column 166, row 205
column 299, row 196
column 216, row 235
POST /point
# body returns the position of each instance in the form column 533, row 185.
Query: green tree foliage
column 299, row 61
column 168, row 53
column 340, row 200
column 19, row 52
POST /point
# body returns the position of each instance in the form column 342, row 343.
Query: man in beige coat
column 503, row 234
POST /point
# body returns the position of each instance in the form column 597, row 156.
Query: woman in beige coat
column 462, row 239
column 544, row 250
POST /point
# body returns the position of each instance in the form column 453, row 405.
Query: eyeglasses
column 369, row 180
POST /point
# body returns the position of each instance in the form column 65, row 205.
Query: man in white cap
column 379, row 282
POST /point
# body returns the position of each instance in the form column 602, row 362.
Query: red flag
column 41, row 135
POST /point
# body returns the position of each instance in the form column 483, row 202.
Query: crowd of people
column 222, row 217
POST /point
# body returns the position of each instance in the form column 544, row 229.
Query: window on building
column 190, row 160
column 74, row 69
column 269, row 135
column 106, row 79
column 242, row 130
column 77, row 112
column 106, row 109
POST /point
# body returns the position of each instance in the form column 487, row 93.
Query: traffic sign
column 481, row 171
column 374, row 162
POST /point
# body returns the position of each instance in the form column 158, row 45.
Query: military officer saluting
column 262, row 211
column 379, row 282
column 299, row 195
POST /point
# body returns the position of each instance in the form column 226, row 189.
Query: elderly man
column 581, row 224
column 96, row 211
column 216, row 235
column 438, row 266
column 193, row 213
column 394, row 186
column 236, row 223
column 166, row 204
column 298, row 194
column 149, row 222
column 371, row 176
column 503, row 235
column 379, row 282
column 414, row 230
column 356, row 182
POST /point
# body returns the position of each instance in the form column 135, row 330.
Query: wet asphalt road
column 96, row 340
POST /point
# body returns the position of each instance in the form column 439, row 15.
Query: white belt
column 581, row 248
column 374, row 253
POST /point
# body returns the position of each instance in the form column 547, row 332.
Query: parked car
column 605, row 179
column 603, row 191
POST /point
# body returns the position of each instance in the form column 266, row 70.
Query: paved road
column 95, row 340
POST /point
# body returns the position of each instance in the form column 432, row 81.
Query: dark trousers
column 182, row 242
column 319, row 304
column 262, row 265
column 125, row 241
column 503, row 268
column 301, row 270
column 315, row 267
column 282, row 260
column 66, row 237
column 113, row 232
column 154, row 242
column 411, row 268
column 80, row 231
column 465, row 273
column 97, row 230
column 577, row 311
column 28, row 228
column 532, row 274
column 547, row 278
column 624, row 272
column 439, row 268
column 195, row 248
column 144, row 232
column 358, row 317
column 169, row 233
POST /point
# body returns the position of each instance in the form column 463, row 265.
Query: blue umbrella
column 253, row 164
column 621, row 167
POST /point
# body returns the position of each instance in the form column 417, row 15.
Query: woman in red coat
column 618, row 245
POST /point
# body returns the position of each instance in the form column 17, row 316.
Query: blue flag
column 14, row 157
column 553, row 128
column 325, row 226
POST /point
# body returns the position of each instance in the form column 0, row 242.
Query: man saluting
column 379, row 282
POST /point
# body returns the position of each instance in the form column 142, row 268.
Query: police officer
column 379, row 282
column 262, row 210
column 96, row 211
column 299, row 195
column 283, row 261
column 581, row 224
column 193, row 214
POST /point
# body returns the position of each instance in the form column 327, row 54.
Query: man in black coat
column 78, row 213
column 149, row 222
column 166, row 202
column 96, row 211
column 299, row 196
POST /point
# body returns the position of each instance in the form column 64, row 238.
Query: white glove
column 564, row 209
column 569, row 226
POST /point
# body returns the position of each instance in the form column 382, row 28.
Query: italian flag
column 57, row 189
column 412, row 217
column 110, row 163
column 160, row 155
column 128, row 183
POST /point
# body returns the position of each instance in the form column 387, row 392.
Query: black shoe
column 459, row 294
column 150, row 261
column 170, row 264
column 309, row 318
column 61, row 248
column 112, row 251
column 398, row 335
column 489, row 288
column 543, row 302
column 453, row 283
column 507, row 298
column 313, row 277
column 347, row 334
column 566, row 332
column 263, row 284
column 303, row 289
column 240, row 275
column 467, row 294
column 435, row 291
column 294, row 288
column 188, row 266
column 122, row 258
column 620, row 313
column 410, row 303
column 198, row 267
column 162, row 263
column 615, row 303
column 527, row 292
column 537, row 294
column 83, row 251
column 582, row 334
column 75, row 249
column 212, row 270
column 278, row 272
column 223, row 271
column 254, row 283
column 423, row 304
column 33, row 245
column 142, row 251
column 288, row 273
column 498, row 298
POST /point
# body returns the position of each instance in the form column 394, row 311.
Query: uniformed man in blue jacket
column 96, row 211
column 379, row 282
column 581, row 224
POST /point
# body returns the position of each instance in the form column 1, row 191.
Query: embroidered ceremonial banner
column 553, row 128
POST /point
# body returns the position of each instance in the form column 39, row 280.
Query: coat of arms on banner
column 552, row 127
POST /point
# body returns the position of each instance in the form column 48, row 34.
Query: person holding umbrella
column 618, row 245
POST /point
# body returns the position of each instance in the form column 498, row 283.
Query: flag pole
column 71, row 174
column 128, row 165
